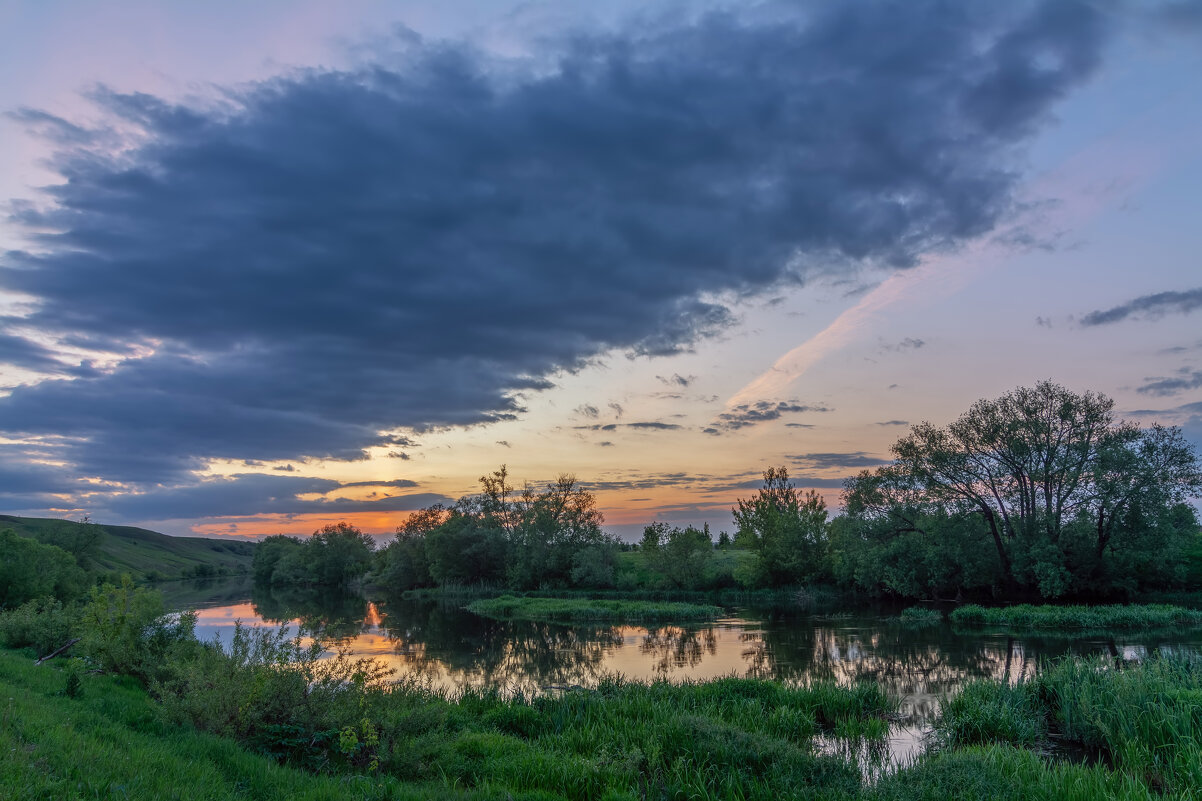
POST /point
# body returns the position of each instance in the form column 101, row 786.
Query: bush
column 31, row 570
column 124, row 629
column 43, row 624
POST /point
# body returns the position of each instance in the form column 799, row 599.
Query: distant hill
column 142, row 553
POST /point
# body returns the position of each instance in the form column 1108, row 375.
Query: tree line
column 1040, row 493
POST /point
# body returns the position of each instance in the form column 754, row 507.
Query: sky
column 269, row 266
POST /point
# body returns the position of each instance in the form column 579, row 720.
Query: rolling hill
column 140, row 552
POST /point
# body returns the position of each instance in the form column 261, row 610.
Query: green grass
column 1006, row 773
column 730, row 738
column 1076, row 619
column 920, row 617
column 143, row 553
column 112, row 742
column 569, row 609
column 1144, row 719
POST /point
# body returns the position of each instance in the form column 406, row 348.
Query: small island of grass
column 1076, row 618
column 508, row 607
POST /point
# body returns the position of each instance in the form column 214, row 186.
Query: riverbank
column 1044, row 618
column 507, row 607
column 722, row 739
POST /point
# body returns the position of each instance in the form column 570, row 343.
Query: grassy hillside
column 138, row 551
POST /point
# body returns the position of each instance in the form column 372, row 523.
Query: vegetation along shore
column 110, row 696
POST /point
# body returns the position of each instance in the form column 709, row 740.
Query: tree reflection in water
column 334, row 617
column 446, row 646
column 672, row 647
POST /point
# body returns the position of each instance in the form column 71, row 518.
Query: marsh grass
column 591, row 609
column 1144, row 719
column 1075, row 619
column 920, row 617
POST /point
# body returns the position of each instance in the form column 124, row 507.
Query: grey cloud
column 825, row 461
column 252, row 494
column 676, row 380
column 588, row 410
column 1186, row 378
column 654, row 425
column 1149, row 307
column 750, row 414
column 909, row 343
column 894, row 423
column 402, row 483
column 326, row 255
column 803, row 482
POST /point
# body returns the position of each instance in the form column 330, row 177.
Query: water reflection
column 447, row 647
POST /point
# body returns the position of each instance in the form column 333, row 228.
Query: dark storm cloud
column 329, row 254
column 21, row 352
column 825, row 461
column 254, row 493
column 750, row 414
column 1149, row 307
column 1186, row 378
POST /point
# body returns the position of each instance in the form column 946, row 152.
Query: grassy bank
column 112, row 741
column 731, row 738
column 591, row 609
column 1145, row 720
column 1076, row 618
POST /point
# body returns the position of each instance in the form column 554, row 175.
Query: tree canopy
column 1067, row 498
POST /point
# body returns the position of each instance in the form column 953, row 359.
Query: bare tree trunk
column 50, row 656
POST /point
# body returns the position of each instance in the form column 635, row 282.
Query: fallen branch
column 48, row 657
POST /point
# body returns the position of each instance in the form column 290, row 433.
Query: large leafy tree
column 1060, row 489
column 786, row 529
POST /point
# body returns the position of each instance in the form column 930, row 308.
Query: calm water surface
column 450, row 648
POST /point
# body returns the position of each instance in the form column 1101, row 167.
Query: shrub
column 43, row 624
column 124, row 629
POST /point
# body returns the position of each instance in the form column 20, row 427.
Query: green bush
column 31, row 570
column 124, row 629
column 43, row 624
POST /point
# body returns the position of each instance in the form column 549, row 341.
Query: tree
column 1037, row 468
column 31, row 570
column 786, row 529
column 680, row 555
column 338, row 554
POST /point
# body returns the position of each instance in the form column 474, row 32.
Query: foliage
column 1077, row 618
column 111, row 741
column 786, row 529
column 523, row 538
column 679, row 556
column 335, row 556
column 1068, row 499
column 31, row 570
column 1142, row 718
column 123, row 629
column 43, row 624
column 507, row 606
